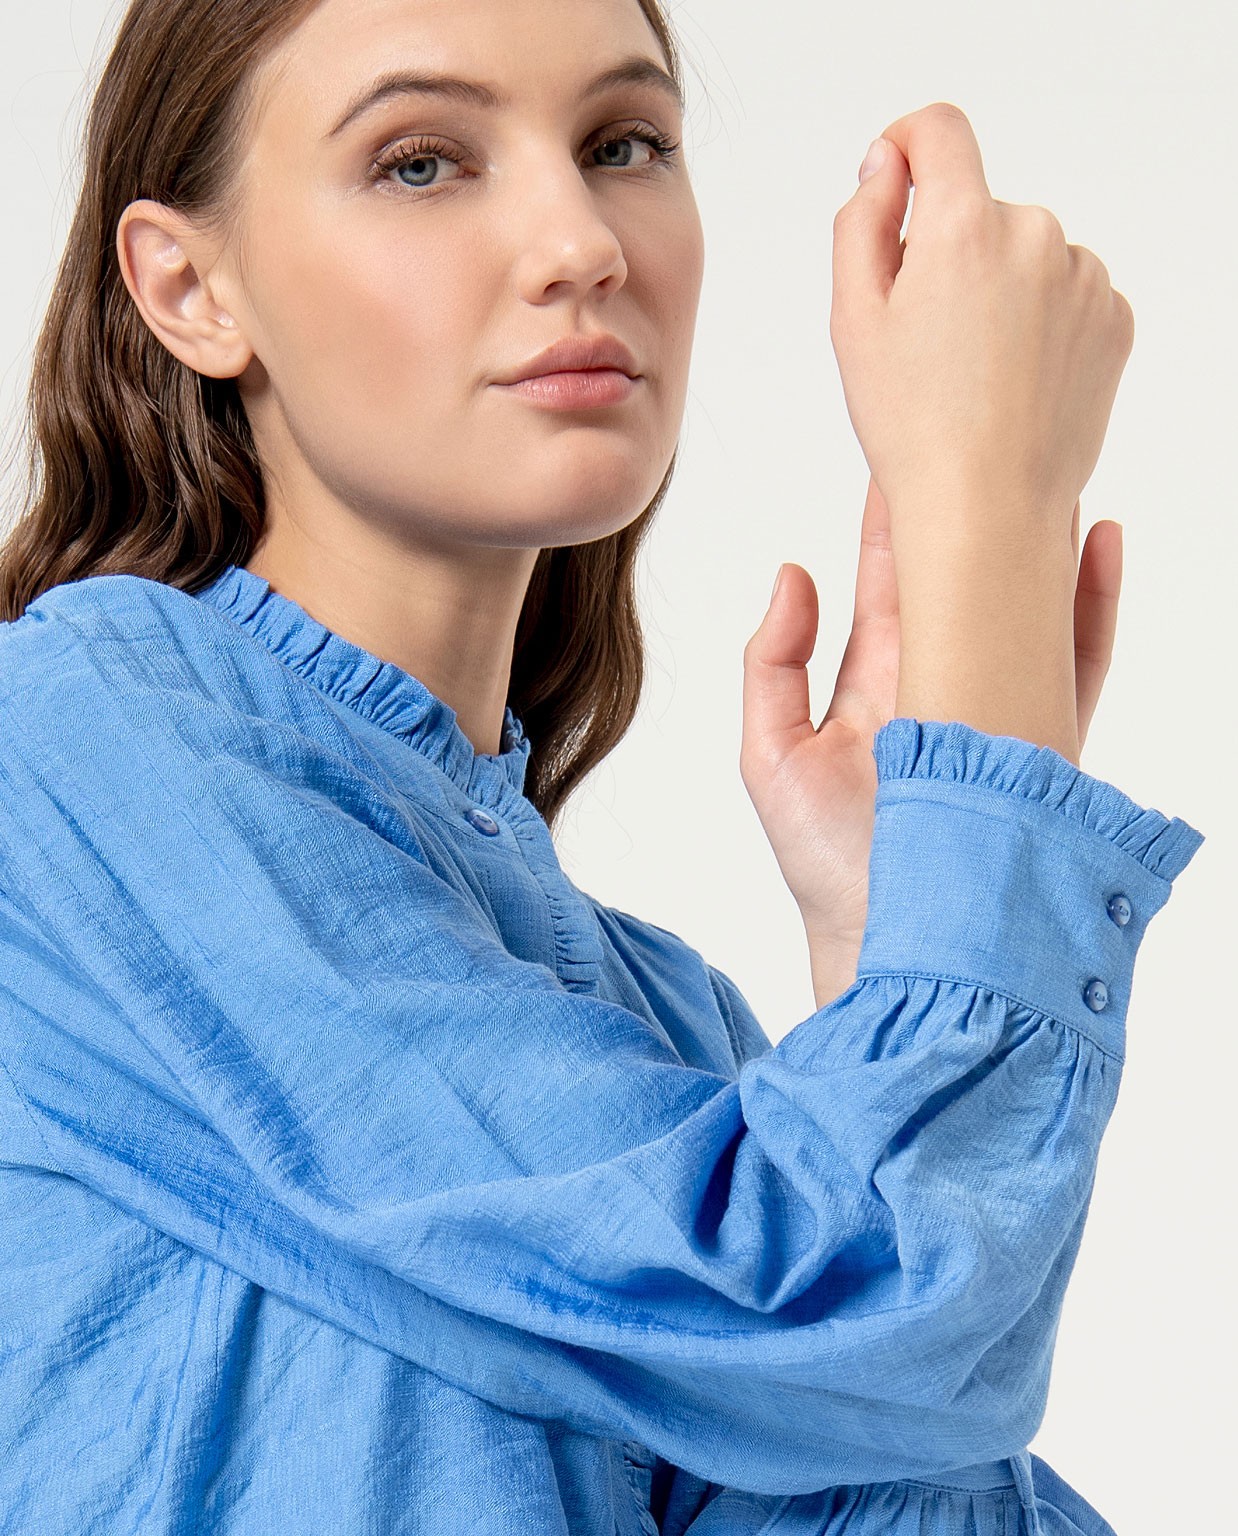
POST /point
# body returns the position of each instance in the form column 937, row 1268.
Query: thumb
column 776, row 702
column 868, row 249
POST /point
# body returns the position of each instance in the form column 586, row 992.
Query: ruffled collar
column 384, row 693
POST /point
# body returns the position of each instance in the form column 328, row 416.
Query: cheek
column 688, row 238
column 366, row 320
column 669, row 256
column 670, row 248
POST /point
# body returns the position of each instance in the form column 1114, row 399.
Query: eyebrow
column 631, row 71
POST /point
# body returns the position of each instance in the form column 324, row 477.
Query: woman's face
column 390, row 267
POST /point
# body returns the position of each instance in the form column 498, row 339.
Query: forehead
column 518, row 46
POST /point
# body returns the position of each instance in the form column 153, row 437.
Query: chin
column 543, row 529
column 580, row 507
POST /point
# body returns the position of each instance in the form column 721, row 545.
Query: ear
column 167, row 265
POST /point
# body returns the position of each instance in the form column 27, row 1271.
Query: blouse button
column 481, row 821
column 1096, row 995
column 1120, row 909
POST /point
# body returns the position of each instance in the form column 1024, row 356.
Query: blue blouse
column 362, row 1174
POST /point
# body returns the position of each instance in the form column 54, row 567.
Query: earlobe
column 161, row 258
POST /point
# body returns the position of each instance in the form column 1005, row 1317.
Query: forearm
column 986, row 627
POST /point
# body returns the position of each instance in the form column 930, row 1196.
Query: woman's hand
column 814, row 788
column 980, row 358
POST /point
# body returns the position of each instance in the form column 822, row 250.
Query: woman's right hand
column 980, row 358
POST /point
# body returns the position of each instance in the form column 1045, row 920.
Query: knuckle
column 1040, row 226
column 1098, row 657
column 944, row 111
column 1125, row 317
column 1089, row 266
column 752, row 767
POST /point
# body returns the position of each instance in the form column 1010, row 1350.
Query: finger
column 1074, row 534
column 1096, row 616
column 876, row 590
column 867, row 246
column 941, row 149
column 775, row 695
column 862, row 671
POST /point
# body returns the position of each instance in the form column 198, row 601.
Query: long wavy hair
column 139, row 465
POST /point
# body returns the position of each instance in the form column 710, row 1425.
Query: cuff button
column 1096, row 995
column 1120, row 909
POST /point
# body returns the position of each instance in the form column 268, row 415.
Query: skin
column 365, row 321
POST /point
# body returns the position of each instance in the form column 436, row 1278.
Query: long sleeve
column 236, row 1000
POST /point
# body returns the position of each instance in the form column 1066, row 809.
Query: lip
column 576, row 389
column 576, row 354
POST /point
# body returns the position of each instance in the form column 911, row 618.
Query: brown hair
column 140, row 465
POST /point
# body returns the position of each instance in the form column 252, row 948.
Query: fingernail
column 777, row 582
column 875, row 158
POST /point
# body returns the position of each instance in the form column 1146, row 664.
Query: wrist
column 833, row 960
column 987, row 638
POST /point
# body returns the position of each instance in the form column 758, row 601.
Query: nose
column 562, row 238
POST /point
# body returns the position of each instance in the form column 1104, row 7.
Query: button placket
column 1120, row 910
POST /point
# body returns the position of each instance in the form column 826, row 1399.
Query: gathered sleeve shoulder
column 236, row 1001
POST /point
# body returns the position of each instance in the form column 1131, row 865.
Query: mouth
column 574, row 389
column 595, row 353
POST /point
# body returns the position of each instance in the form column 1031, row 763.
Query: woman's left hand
column 814, row 788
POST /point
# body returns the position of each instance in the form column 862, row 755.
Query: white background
column 1119, row 120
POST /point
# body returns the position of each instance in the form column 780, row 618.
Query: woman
column 363, row 1174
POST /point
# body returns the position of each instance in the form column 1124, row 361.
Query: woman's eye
column 623, row 159
column 416, row 165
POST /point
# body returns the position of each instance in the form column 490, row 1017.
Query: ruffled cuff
column 1002, row 864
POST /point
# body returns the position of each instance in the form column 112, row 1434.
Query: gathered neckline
column 381, row 691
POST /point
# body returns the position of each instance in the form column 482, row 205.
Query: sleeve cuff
column 1000, row 863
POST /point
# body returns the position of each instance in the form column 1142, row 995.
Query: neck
column 447, row 615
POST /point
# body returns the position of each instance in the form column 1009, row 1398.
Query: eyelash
column 417, row 148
